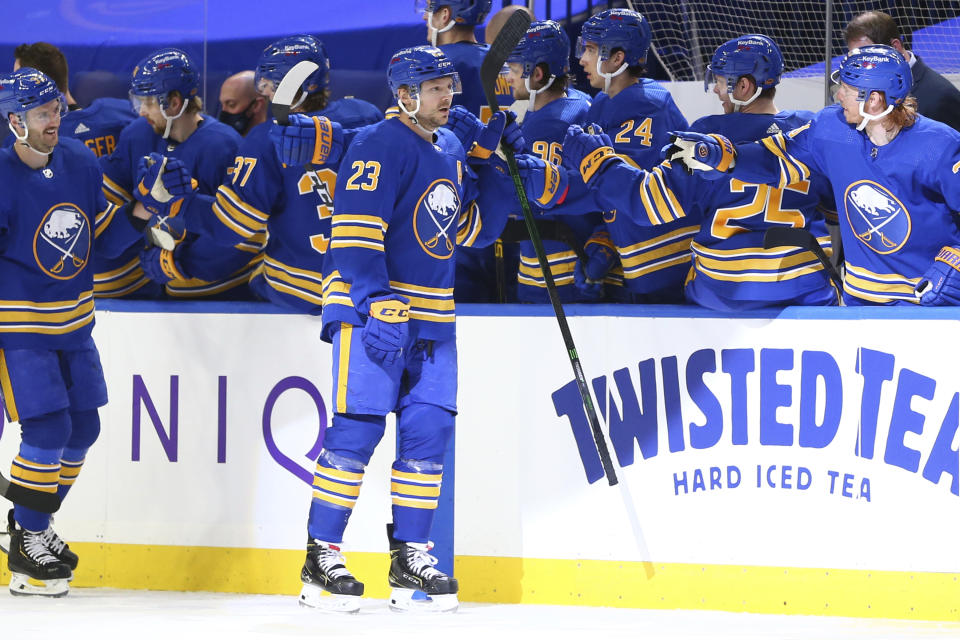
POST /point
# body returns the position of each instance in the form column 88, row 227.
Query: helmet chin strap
column 608, row 76
column 413, row 115
column 737, row 104
column 867, row 118
column 23, row 139
column 434, row 32
column 166, row 130
column 534, row 92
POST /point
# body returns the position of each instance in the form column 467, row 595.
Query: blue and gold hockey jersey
column 729, row 260
column 293, row 206
column 543, row 131
column 48, row 221
column 896, row 203
column 638, row 119
column 402, row 206
column 208, row 153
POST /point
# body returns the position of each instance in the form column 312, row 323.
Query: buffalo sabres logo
column 876, row 217
column 61, row 245
column 435, row 219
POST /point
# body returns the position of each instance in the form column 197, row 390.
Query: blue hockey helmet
column 163, row 71
column 617, row 29
column 465, row 12
column 25, row 89
column 876, row 67
column 414, row 65
column 282, row 55
column 750, row 55
column 544, row 42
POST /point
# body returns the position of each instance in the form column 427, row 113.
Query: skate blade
column 313, row 597
column 23, row 585
column 401, row 600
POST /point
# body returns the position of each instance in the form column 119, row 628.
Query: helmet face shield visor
column 438, row 87
column 41, row 117
column 140, row 103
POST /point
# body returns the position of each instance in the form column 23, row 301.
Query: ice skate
column 59, row 548
column 34, row 569
column 411, row 570
column 327, row 585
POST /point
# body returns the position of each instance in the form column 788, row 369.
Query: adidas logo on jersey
column 773, row 128
column 81, row 128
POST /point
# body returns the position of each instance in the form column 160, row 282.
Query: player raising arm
column 894, row 177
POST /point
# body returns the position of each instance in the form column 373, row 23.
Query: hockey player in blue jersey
column 98, row 124
column 164, row 90
column 404, row 201
column 289, row 203
column 539, row 74
column 638, row 113
column 50, row 375
column 731, row 269
column 893, row 173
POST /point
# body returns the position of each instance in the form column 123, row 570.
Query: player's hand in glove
column 162, row 185
column 162, row 265
column 385, row 332
column 712, row 154
column 588, row 151
column 545, row 184
column 601, row 256
column 940, row 285
column 512, row 134
column 480, row 140
column 307, row 140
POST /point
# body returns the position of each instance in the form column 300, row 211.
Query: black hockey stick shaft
column 501, row 48
column 31, row 498
column 802, row 238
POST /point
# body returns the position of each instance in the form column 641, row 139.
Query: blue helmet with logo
column 617, row 29
column 282, row 55
column 414, row 65
column 164, row 71
column 25, row 89
column 750, row 55
column 544, row 42
column 464, row 12
column 876, row 67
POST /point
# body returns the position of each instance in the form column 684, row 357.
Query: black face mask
column 239, row 121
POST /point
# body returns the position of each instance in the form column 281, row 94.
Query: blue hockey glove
column 940, row 285
column 587, row 151
column 480, row 141
column 601, row 256
column 162, row 265
column 545, row 184
column 512, row 134
column 162, row 185
column 386, row 329
column 307, row 140
column 712, row 154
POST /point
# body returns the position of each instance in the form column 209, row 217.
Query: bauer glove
column 545, row 184
column 162, row 265
column 940, row 285
column 162, row 185
column 385, row 332
column 587, row 151
column 480, row 141
column 307, row 140
column 712, row 154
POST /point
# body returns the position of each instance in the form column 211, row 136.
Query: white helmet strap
column 737, row 104
column 23, row 139
column 434, row 32
column 534, row 92
column 166, row 130
column 413, row 115
column 608, row 76
column 867, row 118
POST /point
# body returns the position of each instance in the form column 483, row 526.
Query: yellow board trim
column 775, row 590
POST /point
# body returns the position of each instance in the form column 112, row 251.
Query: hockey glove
column 307, row 140
column 545, row 184
column 712, row 154
column 940, row 285
column 480, row 141
column 162, row 265
column 512, row 134
column 162, row 185
column 601, row 256
column 587, row 151
column 386, row 329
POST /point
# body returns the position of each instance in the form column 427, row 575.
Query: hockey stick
column 30, row 498
column 794, row 237
column 502, row 46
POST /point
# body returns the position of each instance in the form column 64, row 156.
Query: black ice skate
column 29, row 559
column 327, row 584
column 411, row 570
column 59, row 548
